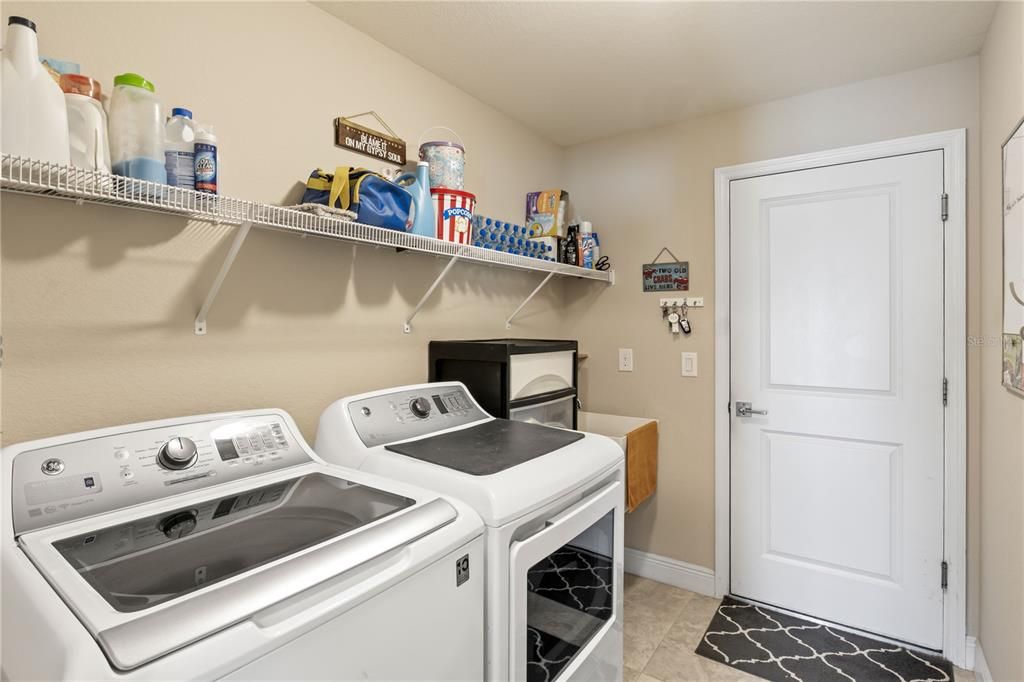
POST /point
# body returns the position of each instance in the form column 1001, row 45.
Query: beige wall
column 98, row 303
column 1002, row 415
column 655, row 188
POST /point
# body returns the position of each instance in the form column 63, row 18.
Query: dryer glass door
column 141, row 563
column 566, row 587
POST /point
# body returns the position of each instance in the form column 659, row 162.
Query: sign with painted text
column 369, row 142
column 667, row 276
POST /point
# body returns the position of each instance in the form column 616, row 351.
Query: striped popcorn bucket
column 453, row 211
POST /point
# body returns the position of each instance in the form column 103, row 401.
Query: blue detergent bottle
column 424, row 222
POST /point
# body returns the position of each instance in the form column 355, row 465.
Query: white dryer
column 221, row 547
column 552, row 501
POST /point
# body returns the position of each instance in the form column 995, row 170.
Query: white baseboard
column 969, row 652
column 981, row 671
column 670, row 571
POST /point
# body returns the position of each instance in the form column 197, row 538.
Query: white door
column 837, row 333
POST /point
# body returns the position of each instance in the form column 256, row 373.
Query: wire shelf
column 29, row 176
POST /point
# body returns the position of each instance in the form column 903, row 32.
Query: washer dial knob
column 178, row 453
column 178, row 525
column 420, row 407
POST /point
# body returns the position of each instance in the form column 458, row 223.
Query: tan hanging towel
column 641, row 464
column 638, row 438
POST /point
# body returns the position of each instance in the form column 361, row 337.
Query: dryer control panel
column 389, row 417
column 93, row 475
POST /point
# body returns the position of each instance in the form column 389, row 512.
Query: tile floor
column 663, row 626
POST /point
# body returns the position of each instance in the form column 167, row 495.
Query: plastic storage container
column 136, row 130
column 87, row 122
column 179, row 149
column 527, row 379
column 447, row 160
column 32, row 107
column 453, row 211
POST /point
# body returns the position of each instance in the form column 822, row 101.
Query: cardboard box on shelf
column 545, row 212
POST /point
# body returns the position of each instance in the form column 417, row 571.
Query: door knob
column 745, row 410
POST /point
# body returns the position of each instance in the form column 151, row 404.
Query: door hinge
column 945, row 574
column 945, row 392
column 945, row 207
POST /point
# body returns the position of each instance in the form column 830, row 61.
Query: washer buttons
column 122, row 453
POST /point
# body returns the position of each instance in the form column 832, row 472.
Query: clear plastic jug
column 136, row 130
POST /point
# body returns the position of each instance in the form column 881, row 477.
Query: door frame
column 953, row 145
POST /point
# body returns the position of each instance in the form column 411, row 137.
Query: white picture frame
column 1012, row 337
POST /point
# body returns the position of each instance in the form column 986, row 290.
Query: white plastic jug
column 136, row 130
column 34, row 115
column 87, row 122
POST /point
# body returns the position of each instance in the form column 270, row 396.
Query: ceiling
column 578, row 71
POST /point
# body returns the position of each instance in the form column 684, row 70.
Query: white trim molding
column 970, row 652
column 980, row 668
column 953, row 144
column 670, row 571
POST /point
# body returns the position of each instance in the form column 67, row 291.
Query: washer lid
column 489, row 447
column 165, row 580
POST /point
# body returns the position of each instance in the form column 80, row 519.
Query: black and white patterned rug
column 776, row 646
column 570, row 598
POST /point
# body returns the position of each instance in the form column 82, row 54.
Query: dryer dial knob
column 420, row 407
column 178, row 453
column 178, row 525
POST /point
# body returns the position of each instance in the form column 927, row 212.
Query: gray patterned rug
column 775, row 646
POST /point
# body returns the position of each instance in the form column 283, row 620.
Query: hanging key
column 673, row 322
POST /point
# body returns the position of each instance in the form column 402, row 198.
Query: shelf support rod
column 508, row 322
column 415, row 311
column 229, row 260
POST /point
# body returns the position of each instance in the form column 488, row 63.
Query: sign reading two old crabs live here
column 667, row 276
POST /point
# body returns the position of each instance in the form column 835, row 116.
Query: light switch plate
column 625, row 359
column 688, row 363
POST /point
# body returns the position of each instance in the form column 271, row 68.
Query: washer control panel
column 404, row 414
column 80, row 478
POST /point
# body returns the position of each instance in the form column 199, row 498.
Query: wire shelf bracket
column 229, row 260
column 407, row 327
column 508, row 322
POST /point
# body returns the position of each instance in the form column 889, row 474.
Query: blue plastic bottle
column 424, row 222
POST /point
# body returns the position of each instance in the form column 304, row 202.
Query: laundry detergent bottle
column 424, row 222
column 136, row 130
column 32, row 107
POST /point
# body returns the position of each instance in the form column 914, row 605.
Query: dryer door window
column 136, row 565
column 566, row 586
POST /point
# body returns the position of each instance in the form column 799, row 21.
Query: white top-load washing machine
column 221, row 547
column 552, row 501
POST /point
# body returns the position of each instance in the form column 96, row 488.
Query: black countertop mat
column 488, row 448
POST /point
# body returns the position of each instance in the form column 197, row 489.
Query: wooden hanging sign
column 674, row 276
column 367, row 141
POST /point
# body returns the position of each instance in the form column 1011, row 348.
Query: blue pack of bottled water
column 518, row 240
